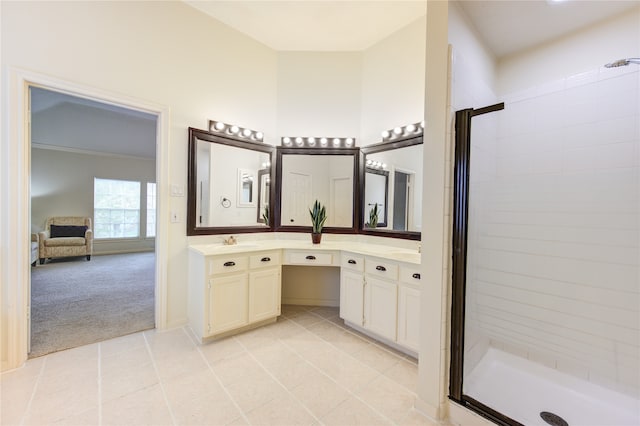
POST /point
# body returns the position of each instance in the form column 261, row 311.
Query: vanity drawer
column 410, row 274
column 262, row 260
column 310, row 258
column 352, row 262
column 381, row 268
column 226, row 264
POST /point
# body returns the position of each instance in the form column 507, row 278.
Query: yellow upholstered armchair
column 66, row 236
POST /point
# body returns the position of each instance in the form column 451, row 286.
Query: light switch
column 174, row 217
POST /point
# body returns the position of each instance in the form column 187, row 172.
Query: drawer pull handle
column 265, row 259
column 380, row 268
column 310, row 257
column 416, row 276
column 229, row 263
column 351, row 262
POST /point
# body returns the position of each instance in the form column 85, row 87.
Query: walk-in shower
column 546, row 253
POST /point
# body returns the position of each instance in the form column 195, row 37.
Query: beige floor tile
column 236, row 368
column 353, row 412
column 326, row 330
column 274, row 353
column 282, row 411
column 144, row 407
column 254, row 391
column 326, row 311
column 83, row 357
column 306, row 319
column 16, row 389
column 168, row 343
column 291, row 373
column 185, row 363
column 346, row 370
column 377, row 358
column 221, row 349
column 119, row 382
column 284, row 328
column 338, row 321
column 255, row 338
column 415, row 418
column 350, row 343
column 125, row 359
column 404, row 373
column 120, row 344
column 59, row 399
column 89, row 417
column 239, row 421
column 198, row 399
column 319, row 394
column 389, row 398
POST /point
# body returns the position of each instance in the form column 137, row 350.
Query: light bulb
column 410, row 128
column 422, row 124
column 311, row 141
column 298, row 141
column 234, row 130
column 246, row 133
column 349, row 141
column 369, row 162
column 258, row 136
column 219, row 126
column 336, row 142
column 397, row 130
column 384, row 166
column 286, row 141
column 323, row 141
column 385, row 134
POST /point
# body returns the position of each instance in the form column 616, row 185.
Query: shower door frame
column 462, row 170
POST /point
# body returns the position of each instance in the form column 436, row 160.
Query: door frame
column 15, row 202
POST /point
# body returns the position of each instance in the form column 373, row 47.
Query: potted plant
column 318, row 218
column 373, row 217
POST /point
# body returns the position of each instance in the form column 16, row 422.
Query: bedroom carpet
column 75, row 302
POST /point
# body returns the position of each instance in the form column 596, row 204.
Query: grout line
column 338, row 384
column 155, row 369
column 33, row 393
column 99, row 383
column 277, row 381
column 224, row 388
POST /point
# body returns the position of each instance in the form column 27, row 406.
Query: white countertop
column 378, row 250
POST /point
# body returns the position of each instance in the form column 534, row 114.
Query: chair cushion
column 64, row 242
column 67, row 231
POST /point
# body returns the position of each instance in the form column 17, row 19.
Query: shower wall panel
column 553, row 268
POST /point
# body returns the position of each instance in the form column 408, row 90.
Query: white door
column 296, row 192
column 381, row 307
column 264, row 294
column 351, row 296
column 409, row 317
column 228, row 303
column 341, row 204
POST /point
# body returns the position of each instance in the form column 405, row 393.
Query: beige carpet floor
column 75, row 302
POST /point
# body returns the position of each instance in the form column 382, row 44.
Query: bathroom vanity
column 238, row 287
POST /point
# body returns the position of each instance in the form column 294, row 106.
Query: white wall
column 393, row 82
column 165, row 53
column 319, row 94
column 62, row 185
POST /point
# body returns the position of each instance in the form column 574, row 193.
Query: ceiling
column 322, row 25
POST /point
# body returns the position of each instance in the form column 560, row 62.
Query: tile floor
column 306, row 369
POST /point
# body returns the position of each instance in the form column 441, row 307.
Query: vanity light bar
column 237, row 131
column 312, row 142
column 413, row 129
column 376, row 165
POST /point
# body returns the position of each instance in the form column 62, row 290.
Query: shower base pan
column 522, row 390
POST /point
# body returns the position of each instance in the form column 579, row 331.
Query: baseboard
column 381, row 339
column 311, row 302
column 427, row 410
column 124, row 251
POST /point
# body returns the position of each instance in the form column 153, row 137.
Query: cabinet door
column 264, row 294
column 381, row 307
column 227, row 303
column 409, row 317
column 351, row 296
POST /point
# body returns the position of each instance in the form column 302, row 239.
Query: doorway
column 76, row 145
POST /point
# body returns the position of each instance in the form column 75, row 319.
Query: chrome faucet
column 230, row 241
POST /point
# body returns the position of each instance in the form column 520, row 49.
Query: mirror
column 393, row 181
column 329, row 175
column 225, row 193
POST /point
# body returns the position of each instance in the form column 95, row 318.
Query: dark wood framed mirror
column 330, row 175
column 225, row 192
column 401, row 162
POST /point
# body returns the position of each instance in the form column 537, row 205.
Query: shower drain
column 553, row 419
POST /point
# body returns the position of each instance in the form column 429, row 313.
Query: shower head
column 623, row 62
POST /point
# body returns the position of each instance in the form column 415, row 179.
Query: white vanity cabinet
column 352, row 288
column 409, row 307
column 230, row 292
column 381, row 297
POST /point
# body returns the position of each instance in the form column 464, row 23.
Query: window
column 116, row 206
column 151, row 209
